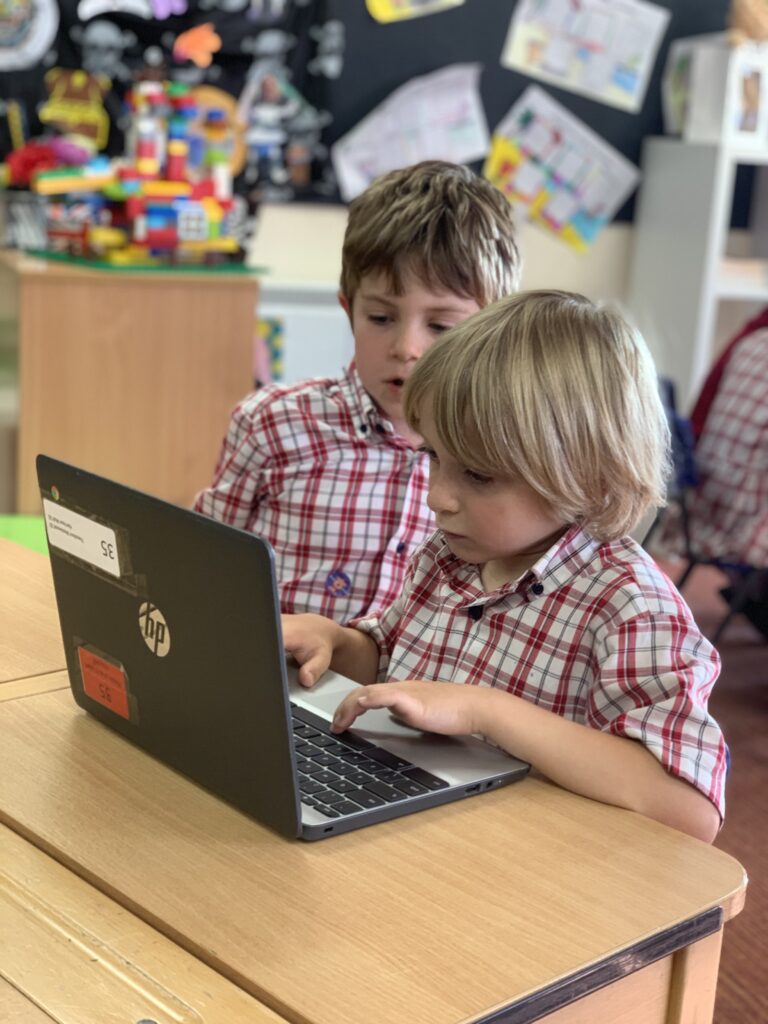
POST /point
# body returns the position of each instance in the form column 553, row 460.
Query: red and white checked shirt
column 729, row 511
column 314, row 469
column 593, row 631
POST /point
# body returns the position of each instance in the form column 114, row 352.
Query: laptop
column 171, row 628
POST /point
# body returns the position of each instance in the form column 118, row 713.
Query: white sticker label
column 80, row 536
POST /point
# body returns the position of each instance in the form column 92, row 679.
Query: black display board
column 379, row 58
column 370, row 61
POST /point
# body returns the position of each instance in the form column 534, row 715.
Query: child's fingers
column 350, row 708
column 311, row 669
column 362, row 700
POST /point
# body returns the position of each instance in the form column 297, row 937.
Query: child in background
column 328, row 470
column 547, row 442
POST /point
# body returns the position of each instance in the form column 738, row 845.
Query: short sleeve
column 655, row 674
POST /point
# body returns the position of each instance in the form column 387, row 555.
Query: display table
column 128, row 374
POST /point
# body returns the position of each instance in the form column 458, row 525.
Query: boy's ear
column 345, row 304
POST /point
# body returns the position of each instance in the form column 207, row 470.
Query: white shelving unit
column 681, row 268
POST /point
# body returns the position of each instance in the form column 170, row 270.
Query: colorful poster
column 434, row 117
column 399, row 10
column 604, row 49
column 552, row 166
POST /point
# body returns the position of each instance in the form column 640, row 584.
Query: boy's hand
column 445, row 708
column 309, row 638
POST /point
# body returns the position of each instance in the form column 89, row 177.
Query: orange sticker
column 104, row 682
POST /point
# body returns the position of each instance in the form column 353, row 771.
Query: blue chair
column 744, row 578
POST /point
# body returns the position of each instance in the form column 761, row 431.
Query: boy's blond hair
column 438, row 221
column 548, row 386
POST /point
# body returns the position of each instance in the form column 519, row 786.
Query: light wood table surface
column 502, row 909
column 129, row 374
column 30, row 639
column 71, row 955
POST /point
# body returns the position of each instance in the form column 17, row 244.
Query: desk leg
column 694, row 981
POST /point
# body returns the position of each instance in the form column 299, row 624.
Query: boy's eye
column 478, row 478
column 378, row 318
column 440, row 328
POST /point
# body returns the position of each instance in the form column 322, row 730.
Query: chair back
column 685, row 472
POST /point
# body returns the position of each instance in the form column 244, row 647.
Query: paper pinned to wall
column 604, row 49
column 433, row 117
column 399, row 10
column 551, row 165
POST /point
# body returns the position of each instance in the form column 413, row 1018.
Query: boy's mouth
column 396, row 382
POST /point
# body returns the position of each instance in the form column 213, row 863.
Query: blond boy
column 547, row 442
column 328, row 470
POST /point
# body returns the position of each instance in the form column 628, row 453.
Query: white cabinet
column 682, row 270
column 316, row 338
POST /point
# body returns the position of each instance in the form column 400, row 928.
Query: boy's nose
column 408, row 344
column 440, row 497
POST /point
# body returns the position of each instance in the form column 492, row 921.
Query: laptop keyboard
column 343, row 774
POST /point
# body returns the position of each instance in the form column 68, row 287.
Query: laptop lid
column 171, row 628
column 169, row 622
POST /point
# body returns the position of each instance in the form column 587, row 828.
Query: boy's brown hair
column 559, row 391
column 439, row 221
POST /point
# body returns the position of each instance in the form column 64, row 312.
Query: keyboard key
column 342, row 768
column 385, row 774
column 389, row 760
column 342, row 786
column 323, row 741
column 359, row 778
column 331, row 798
column 409, row 787
column 310, row 718
column 325, row 776
column 347, row 807
column 386, row 792
column 367, row 800
column 357, row 759
column 326, row 759
column 330, row 812
column 337, row 748
column 305, row 731
column 310, row 787
column 425, row 778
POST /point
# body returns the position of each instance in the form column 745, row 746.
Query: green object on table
column 29, row 531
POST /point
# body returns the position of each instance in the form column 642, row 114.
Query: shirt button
column 400, row 548
column 537, row 589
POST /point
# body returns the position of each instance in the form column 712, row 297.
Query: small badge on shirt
column 337, row 583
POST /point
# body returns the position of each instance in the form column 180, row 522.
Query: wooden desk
column 132, row 375
column 70, row 954
column 30, row 640
column 504, row 908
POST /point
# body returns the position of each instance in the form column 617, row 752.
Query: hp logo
column 154, row 629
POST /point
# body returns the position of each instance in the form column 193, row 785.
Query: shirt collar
column 368, row 419
column 564, row 560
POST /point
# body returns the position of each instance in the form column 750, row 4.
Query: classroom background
column 313, row 98
column 139, row 302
